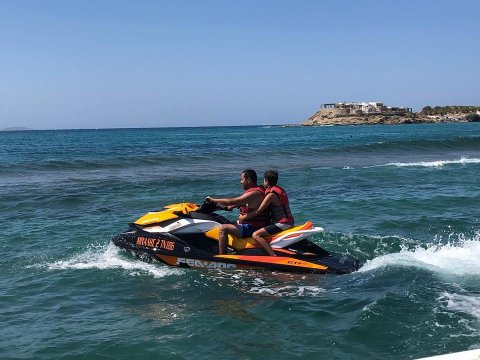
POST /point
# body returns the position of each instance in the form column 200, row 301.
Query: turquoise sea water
column 404, row 199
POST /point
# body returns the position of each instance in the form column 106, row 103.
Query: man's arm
column 237, row 201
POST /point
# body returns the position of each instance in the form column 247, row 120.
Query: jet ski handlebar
column 209, row 206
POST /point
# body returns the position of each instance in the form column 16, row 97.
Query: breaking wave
column 461, row 258
column 438, row 163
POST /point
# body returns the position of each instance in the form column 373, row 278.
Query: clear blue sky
column 102, row 63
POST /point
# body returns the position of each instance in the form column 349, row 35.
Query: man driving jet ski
column 276, row 200
column 249, row 201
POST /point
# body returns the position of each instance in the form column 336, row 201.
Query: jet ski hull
column 200, row 252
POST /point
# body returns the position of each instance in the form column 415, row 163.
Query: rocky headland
column 333, row 117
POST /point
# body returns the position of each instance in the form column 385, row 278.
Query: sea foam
column 287, row 291
column 108, row 257
column 469, row 304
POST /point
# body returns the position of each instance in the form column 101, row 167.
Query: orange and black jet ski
column 186, row 235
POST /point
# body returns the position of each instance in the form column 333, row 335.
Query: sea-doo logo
column 156, row 243
column 205, row 264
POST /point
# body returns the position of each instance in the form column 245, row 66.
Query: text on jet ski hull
column 155, row 243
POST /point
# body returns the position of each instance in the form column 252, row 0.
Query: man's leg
column 225, row 230
column 259, row 236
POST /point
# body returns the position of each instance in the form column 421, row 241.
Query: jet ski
column 186, row 235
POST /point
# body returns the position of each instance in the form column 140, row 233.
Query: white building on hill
column 364, row 108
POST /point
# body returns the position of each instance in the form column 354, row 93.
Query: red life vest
column 262, row 219
column 280, row 214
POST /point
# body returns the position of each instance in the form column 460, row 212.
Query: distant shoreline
column 14, row 129
column 17, row 128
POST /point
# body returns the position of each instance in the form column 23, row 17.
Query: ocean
column 404, row 199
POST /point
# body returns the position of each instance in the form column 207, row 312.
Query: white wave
column 468, row 304
column 438, row 163
column 107, row 257
column 455, row 259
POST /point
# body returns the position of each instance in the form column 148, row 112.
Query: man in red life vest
column 249, row 201
column 276, row 200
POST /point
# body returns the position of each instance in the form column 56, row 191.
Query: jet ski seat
column 280, row 240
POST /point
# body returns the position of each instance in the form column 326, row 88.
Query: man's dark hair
column 271, row 176
column 250, row 174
